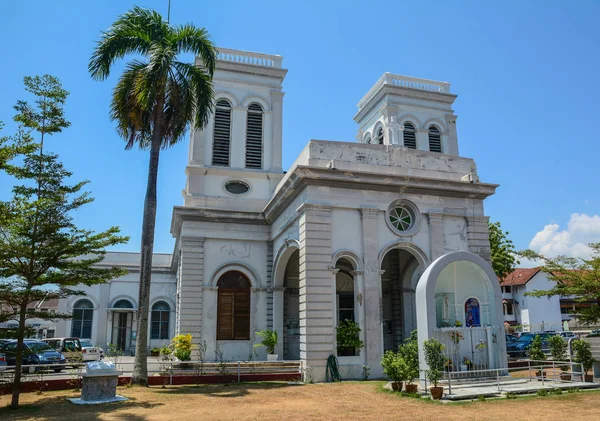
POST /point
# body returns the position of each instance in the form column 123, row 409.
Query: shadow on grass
column 222, row 390
column 59, row 408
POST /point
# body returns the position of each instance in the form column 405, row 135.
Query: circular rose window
column 403, row 217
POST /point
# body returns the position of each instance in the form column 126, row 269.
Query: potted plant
column 558, row 350
column 583, row 356
column 155, row 352
column 466, row 364
column 166, row 352
column 435, row 358
column 182, row 349
column 394, row 368
column 269, row 341
column 536, row 354
column 457, row 323
column 348, row 339
column 410, row 353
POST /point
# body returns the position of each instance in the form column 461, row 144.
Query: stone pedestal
column 99, row 384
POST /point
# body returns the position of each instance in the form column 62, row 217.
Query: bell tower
column 235, row 160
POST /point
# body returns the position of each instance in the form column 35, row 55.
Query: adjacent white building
column 530, row 314
column 346, row 233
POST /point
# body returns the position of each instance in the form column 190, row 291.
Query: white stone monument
column 99, row 384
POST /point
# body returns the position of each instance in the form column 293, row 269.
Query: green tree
column 155, row 100
column 410, row 353
column 503, row 251
column 43, row 254
column 558, row 350
column 435, row 359
column 535, row 349
column 575, row 278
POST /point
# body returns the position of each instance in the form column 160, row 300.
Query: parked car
column 69, row 347
column 90, row 352
column 594, row 334
column 2, row 362
column 520, row 348
column 34, row 353
column 566, row 335
column 511, row 338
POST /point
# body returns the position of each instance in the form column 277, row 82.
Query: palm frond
column 133, row 32
column 188, row 38
column 201, row 84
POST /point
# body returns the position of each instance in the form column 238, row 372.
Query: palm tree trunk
column 140, row 365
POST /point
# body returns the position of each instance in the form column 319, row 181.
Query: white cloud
column 581, row 230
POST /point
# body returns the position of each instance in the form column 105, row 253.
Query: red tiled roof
column 519, row 276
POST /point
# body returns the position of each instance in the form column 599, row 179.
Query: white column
column 372, row 295
column 237, row 147
column 277, row 109
column 452, row 135
column 267, row 140
column 359, row 310
column 436, row 235
column 278, row 316
column 422, row 139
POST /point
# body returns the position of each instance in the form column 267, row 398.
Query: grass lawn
column 278, row 401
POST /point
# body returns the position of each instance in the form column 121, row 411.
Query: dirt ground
column 279, row 401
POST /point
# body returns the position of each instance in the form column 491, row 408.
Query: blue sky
column 526, row 75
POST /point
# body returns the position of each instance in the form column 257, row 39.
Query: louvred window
column 233, row 307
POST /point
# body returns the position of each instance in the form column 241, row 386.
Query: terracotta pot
column 540, row 375
column 565, row 377
column 412, row 388
column 589, row 378
column 436, row 392
column 397, row 386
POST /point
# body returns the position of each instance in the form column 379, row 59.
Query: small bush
column 511, row 395
column 481, row 398
column 542, row 392
column 556, row 391
column 183, row 347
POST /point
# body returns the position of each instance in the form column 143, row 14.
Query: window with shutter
column 380, row 136
column 435, row 139
column 410, row 136
column 254, row 136
column 233, row 307
column 222, row 133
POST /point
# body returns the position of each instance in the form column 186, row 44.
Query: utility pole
column 169, row 12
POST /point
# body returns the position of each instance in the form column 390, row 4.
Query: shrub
column 394, row 366
column 558, row 350
column 410, row 353
column 182, row 345
column 435, row 359
column 535, row 349
column 269, row 340
column 347, row 335
column 583, row 354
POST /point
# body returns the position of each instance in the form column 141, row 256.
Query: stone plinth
column 99, row 384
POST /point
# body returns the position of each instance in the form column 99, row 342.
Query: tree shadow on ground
column 59, row 408
column 222, row 390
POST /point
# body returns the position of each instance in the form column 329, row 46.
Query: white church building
column 388, row 231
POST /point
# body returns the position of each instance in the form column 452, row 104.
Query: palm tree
column 155, row 100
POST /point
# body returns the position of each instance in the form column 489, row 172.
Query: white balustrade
column 246, row 57
column 405, row 82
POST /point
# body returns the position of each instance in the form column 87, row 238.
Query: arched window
column 472, row 315
column 435, row 139
column 344, row 293
column 161, row 312
column 83, row 316
column 254, row 136
column 410, row 136
column 380, row 136
column 123, row 304
column 222, row 133
column 233, row 306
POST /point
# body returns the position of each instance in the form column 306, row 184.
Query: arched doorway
column 122, row 323
column 291, row 308
column 401, row 272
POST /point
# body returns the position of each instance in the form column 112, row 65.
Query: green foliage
column 535, row 349
column 558, row 349
column 502, row 250
column 435, row 359
column 573, row 277
column 394, row 366
column 348, row 335
column 269, row 340
column 481, row 398
column 409, row 351
column 182, row 347
column 511, row 395
column 542, row 392
column 43, row 253
column 165, row 351
column 583, row 354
